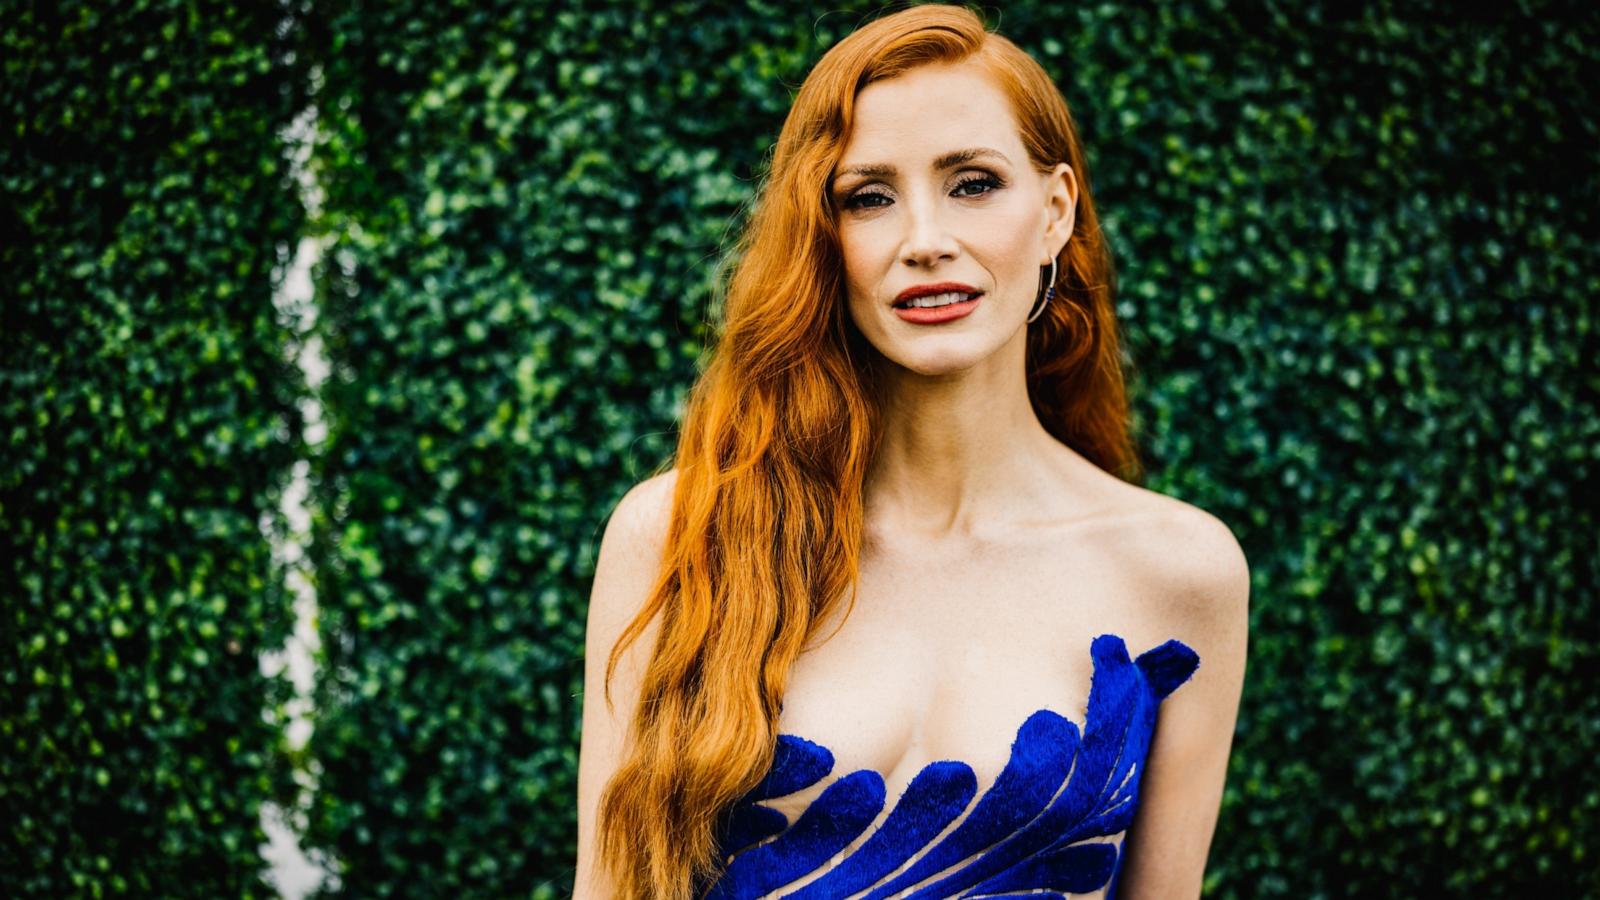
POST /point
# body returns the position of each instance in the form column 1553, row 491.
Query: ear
column 1060, row 210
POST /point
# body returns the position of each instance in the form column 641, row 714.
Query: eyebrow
column 947, row 161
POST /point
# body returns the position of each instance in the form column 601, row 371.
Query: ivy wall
column 1357, row 257
column 149, row 414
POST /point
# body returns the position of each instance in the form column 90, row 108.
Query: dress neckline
column 1032, row 828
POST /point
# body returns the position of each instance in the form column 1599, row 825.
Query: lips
column 941, row 287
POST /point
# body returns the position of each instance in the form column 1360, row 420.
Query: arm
column 630, row 555
column 1207, row 584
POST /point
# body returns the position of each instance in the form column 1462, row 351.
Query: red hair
column 766, row 519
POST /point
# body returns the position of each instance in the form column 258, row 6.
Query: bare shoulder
column 643, row 513
column 1191, row 581
column 1185, row 559
column 629, row 561
column 630, row 557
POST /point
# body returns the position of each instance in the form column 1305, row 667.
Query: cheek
column 1011, row 248
column 861, row 258
column 1015, row 228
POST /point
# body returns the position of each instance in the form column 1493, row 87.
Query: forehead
column 915, row 116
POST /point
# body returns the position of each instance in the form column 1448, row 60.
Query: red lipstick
column 933, row 315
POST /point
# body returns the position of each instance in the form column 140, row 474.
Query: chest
column 948, row 652
column 965, row 729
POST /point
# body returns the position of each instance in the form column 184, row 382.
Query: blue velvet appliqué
column 1026, row 833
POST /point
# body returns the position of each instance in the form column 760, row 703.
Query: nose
column 927, row 239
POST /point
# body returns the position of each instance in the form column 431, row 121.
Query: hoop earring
column 1049, row 291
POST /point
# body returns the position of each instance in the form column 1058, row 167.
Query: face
column 935, row 187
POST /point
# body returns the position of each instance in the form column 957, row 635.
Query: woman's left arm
column 1207, row 585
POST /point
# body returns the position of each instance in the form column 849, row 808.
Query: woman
column 916, row 401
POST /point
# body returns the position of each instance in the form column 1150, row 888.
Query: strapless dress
column 1043, row 825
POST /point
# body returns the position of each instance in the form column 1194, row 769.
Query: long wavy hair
column 779, row 429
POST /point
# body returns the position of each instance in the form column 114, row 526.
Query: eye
column 986, row 180
column 855, row 201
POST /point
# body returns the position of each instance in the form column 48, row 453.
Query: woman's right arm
column 629, row 559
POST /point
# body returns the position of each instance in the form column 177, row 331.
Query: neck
column 961, row 453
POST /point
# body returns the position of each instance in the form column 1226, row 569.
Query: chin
column 934, row 361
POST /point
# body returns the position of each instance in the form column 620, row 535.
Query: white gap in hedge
column 293, row 872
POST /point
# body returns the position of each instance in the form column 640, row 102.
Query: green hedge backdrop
column 150, row 416
column 1357, row 260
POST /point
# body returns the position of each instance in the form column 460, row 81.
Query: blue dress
column 1026, row 833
